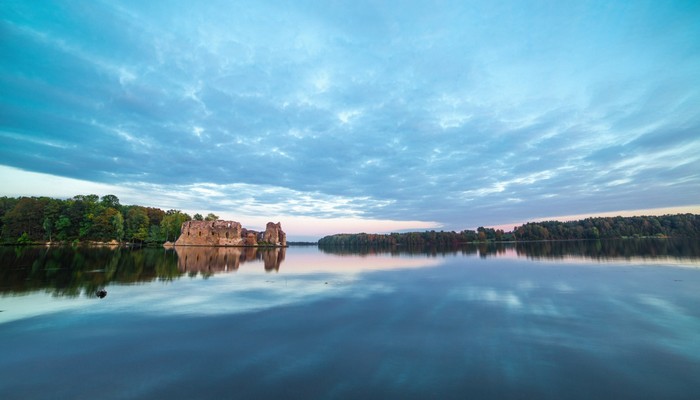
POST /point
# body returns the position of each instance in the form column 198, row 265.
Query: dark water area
column 546, row 320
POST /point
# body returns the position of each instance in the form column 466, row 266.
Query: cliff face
column 227, row 233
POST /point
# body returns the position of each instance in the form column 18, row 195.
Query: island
column 229, row 233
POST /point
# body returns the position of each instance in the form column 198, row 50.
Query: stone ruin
column 229, row 233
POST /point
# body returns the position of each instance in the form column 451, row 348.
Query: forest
column 673, row 225
column 84, row 218
column 677, row 225
column 26, row 220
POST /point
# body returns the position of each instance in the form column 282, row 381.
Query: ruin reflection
column 212, row 260
column 273, row 258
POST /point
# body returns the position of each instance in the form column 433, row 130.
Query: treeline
column 678, row 225
column 26, row 220
column 417, row 239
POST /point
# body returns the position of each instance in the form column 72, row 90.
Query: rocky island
column 229, row 233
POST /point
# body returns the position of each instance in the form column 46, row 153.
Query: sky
column 350, row 116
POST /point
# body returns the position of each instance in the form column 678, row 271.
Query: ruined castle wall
column 210, row 233
column 227, row 233
column 274, row 234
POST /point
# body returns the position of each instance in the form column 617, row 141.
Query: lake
column 555, row 320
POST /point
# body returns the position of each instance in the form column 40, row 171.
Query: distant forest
column 26, row 220
column 678, row 225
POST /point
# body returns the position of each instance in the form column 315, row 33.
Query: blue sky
column 355, row 115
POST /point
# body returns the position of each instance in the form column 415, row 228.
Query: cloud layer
column 459, row 113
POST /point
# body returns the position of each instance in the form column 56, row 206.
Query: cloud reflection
column 226, row 280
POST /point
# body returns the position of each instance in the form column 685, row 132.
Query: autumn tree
column 27, row 216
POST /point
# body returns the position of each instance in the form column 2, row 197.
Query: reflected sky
column 306, row 276
column 233, row 280
column 461, row 326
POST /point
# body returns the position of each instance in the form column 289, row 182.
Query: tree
column 6, row 204
column 27, row 216
column 104, row 227
column 62, row 226
column 211, row 217
column 110, row 200
column 137, row 224
column 52, row 212
column 198, row 217
column 118, row 224
column 154, row 234
column 155, row 215
column 90, row 207
column 172, row 223
column 48, row 227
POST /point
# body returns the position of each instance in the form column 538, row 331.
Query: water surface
column 616, row 319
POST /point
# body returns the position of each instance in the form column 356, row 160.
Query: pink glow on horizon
column 310, row 227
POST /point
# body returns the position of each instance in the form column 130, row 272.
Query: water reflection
column 68, row 271
column 72, row 271
column 608, row 250
column 681, row 249
column 210, row 260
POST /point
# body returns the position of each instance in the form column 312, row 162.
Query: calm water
column 575, row 320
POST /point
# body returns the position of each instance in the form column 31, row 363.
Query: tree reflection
column 612, row 249
column 592, row 249
column 73, row 271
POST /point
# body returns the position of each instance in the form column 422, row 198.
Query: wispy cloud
column 461, row 114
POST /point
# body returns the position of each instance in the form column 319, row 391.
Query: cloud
column 465, row 115
column 305, row 215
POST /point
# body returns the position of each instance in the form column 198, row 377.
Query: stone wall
column 228, row 233
column 275, row 234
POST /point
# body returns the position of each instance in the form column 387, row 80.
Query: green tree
column 118, row 225
column 155, row 235
column 137, row 224
column 172, row 223
column 198, row 217
column 82, row 212
column 104, row 227
column 52, row 212
column 62, row 226
column 24, row 239
column 211, row 217
column 48, row 228
column 110, row 200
